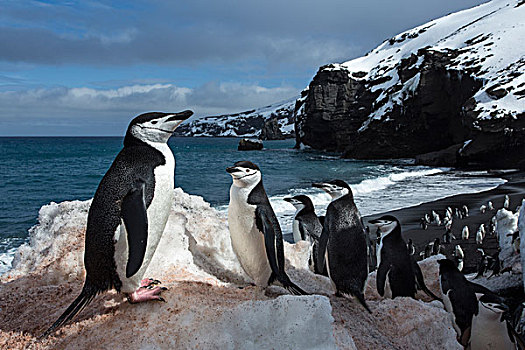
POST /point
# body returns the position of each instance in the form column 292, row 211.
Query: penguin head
column 155, row 126
column 386, row 224
column 446, row 266
column 335, row 188
column 492, row 302
column 300, row 202
column 245, row 174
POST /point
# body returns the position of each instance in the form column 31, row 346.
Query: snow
column 205, row 307
column 228, row 125
column 506, row 225
column 488, row 39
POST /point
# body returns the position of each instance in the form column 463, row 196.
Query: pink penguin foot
column 146, row 282
column 148, row 290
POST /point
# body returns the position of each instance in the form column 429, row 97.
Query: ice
column 506, row 225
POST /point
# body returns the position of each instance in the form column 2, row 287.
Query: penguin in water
column 343, row 242
column 255, row 233
column 306, row 226
column 394, row 264
column 128, row 214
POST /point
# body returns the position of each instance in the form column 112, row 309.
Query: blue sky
column 88, row 67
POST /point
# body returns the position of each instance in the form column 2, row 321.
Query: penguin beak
column 288, row 199
column 179, row 116
column 232, row 170
column 319, row 185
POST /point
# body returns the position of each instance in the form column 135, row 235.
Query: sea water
column 37, row 171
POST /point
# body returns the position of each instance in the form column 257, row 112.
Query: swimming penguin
column 506, row 202
column 306, row 226
column 395, row 266
column 465, row 232
column 128, row 214
column 343, row 242
column 255, row 232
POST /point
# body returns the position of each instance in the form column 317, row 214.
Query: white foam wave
column 380, row 183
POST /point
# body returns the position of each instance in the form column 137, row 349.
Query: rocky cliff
column 274, row 122
column 450, row 92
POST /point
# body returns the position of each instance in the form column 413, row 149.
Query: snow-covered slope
column 273, row 121
column 489, row 40
column 440, row 84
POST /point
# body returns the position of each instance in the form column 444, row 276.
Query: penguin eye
column 154, row 122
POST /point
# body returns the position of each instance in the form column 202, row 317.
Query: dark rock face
column 271, row 131
column 431, row 119
column 249, row 145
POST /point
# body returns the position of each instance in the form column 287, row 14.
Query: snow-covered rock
column 275, row 121
column 506, row 225
column 455, row 81
column 209, row 303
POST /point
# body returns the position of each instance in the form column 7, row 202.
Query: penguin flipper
column 135, row 218
column 85, row 297
column 323, row 242
column 420, row 280
column 382, row 272
column 273, row 241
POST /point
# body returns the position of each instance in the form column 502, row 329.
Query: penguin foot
column 146, row 293
column 146, row 282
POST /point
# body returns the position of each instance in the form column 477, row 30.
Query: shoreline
column 410, row 216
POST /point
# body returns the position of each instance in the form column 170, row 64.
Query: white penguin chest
column 296, row 231
column 488, row 332
column 247, row 241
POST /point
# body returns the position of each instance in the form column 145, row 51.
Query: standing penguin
column 306, row 226
column 459, row 299
column 343, row 242
column 128, row 214
column 255, row 233
column 506, row 202
column 395, row 266
column 465, row 233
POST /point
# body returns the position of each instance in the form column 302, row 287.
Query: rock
column 271, row 131
column 445, row 157
column 250, row 145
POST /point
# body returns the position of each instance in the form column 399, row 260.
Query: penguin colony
column 132, row 203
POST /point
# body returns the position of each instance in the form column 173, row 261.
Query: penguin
column 305, row 223
column 343, row 242
column 496, row 265
column 482, row 230
column 490, row 206
column 436, row 248
column 465, row 233
column 459, row 299
column 395, row 267
column 427, row 218
column 436, row 218
column 423, row 223
column 306, row 226
column 479, row 237
column 411, row 248
column 491, row 326
column 506, row 202
column 428, row 249
column 459, row 256
column 464, row 210
column 448, row 213
column 483, row 209
column 483, row 263
column 128, row 214
column 255, row 232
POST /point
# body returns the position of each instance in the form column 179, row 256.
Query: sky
column 72, row 68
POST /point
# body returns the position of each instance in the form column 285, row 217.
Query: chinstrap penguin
column 306, row 226
column 343, row 242
column 255, row 232
column 394, row 263
column 128, row 214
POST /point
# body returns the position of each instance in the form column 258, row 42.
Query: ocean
column 37, row 171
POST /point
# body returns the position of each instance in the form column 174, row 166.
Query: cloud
column 106, row 111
